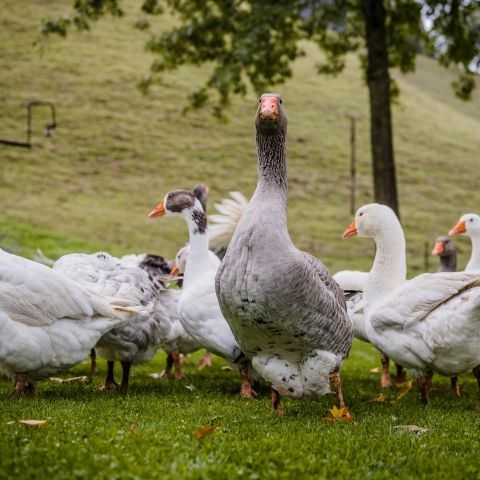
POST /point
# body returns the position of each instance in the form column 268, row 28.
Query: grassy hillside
column 116, row 152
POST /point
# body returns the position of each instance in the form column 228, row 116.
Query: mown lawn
column 149, row 432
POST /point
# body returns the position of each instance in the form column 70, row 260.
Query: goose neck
column 448, row 263
column 389, row 267
column 474, row 262
column 272, row 164
column 198, row 240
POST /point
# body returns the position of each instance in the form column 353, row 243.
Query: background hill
column 115, row 152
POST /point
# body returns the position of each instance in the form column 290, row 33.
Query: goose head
column 469, row 224
column 444, row 247
column 189, row 204
column 270, row 118
column 180, row 262
column 372, row 221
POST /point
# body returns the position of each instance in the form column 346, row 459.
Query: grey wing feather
column 330, row 308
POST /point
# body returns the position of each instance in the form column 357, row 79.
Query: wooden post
column 353, row 161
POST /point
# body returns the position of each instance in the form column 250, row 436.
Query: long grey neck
column 271, row 193
column 474, row 262
column 448, row 263
column 272, row 160
column 389, row 268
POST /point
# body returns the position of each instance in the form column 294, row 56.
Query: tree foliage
column 255, row 41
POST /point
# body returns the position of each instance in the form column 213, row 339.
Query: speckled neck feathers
column 272, row 167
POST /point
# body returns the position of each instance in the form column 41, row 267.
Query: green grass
column 116, row 153
column 148, row 433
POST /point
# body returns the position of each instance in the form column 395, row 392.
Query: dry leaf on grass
column 339, row 414
column 203, row 432
column 155, row 376
column 190, row 388
column 33, row 423
column 227, row 368
column 412, row 428
column 404, row 389
column 83, row 378
column 375, row 370
column 378, row 399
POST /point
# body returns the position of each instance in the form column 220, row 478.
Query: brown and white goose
column 198, row 305
column 285, row 310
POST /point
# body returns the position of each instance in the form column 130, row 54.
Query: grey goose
column 285, row 310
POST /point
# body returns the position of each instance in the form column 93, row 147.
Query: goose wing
column 417, row 298
column 326, row 303
column 34, row 294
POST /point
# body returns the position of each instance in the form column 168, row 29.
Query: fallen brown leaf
column 375, row 370
column 204, row 431
column 83, row 378
column 33, row 423
column 412, row 428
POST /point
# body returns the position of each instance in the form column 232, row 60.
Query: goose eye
column 471, row 220
column 360, row 214
column 281, row 101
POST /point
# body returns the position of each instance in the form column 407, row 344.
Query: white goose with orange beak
column 428, row 324
column 469, row 224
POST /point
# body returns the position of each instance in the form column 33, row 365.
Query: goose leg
column 93, row 365
column 178, row 368
column 23, row 386
column 110, row 382
column 401, row 375
column 425, row 382
column 246, row 389
column 276, row 407
column 167, row 373
column 125, row 375
column 205, row 361
column 385, row 382
column 455, row 387
column 337, row 386
column 476, row 372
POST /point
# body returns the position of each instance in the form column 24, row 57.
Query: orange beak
column 438, row 249
column 351, row 231
column 458, row 228
column 174, row 271
column 158, row 211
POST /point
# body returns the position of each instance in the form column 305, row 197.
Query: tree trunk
column 378, row 79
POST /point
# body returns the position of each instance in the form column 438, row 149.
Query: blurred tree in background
column 254, row 42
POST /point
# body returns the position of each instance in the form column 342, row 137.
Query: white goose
column 428, row 324
column 137, row 340
column 198, row 305
column 47, row 321
column 469, row 224
column 354, row 283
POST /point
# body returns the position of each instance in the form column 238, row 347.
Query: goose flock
column 243, row 291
